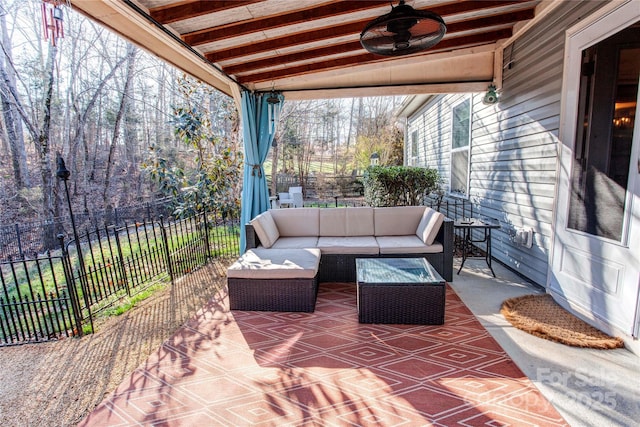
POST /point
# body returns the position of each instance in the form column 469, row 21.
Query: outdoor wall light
column 491, row 96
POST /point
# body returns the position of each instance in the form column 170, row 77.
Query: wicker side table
column 399, row 290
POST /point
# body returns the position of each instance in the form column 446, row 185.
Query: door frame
column 603, row 23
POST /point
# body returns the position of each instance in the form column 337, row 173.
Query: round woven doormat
column 541, row 316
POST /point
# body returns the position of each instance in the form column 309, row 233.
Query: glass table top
column 396, row 270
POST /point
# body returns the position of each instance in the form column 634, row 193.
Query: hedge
column 399, row 185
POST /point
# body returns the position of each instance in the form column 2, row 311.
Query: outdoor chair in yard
column 285, row 199
column 296, row 195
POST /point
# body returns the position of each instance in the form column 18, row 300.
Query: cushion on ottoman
column 261, row 263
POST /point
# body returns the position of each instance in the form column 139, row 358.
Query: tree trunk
column 44, row 148
column 274, row 166
column 12, row 122
column 124, row 103
column 79, row 133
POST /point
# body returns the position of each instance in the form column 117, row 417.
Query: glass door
column 595, row 265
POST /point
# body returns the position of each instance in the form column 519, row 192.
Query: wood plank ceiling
column 311, row 48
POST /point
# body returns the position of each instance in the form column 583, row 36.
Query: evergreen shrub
column 399, row 185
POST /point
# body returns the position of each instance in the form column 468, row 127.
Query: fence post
column 71, row 289
column 166, row 249
column 206, row 232
column 123, row 270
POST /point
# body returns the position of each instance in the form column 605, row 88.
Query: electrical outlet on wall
column 524, row 237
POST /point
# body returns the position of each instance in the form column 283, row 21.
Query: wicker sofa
column 344, row 234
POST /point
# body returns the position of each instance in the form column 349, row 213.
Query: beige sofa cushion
column 333, row 222
column 263, row 263
column 346, row 222
column 405, row 245
column 297, row 222
column 429, row 225
column 265, row 228
column 295, row 242
column 397, row 221
column 348, row 245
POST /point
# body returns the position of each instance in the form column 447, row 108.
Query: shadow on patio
column 325, row 368
column 264, row 368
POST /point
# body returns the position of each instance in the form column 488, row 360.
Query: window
column 413, row 149
column 460, row 142
column 604, row 135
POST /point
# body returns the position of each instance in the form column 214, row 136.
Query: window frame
column 464, row 148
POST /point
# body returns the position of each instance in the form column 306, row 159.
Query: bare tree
column 125, row 104
column 13, row 132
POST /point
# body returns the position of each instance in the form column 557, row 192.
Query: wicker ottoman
column 274, row 280
column 400, row 290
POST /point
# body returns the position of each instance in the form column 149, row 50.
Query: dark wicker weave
column 342, row 267
column 408, row 304
column 339, row 267
column 402, row 290
column 273, row 294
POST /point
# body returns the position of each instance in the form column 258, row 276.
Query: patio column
column 259, row 113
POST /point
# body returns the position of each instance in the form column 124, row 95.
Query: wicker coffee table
column 399, row 290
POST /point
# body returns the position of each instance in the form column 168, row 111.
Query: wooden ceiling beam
column 337, row 49
column 192, row 8
column 502, row 19
column 306, row 55
column 355, row 28
column 276, row 21
column 325, row 65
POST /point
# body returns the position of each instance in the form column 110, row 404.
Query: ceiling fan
column 403, row 31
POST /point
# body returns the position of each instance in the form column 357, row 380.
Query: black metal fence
column 453, row 208
column 56, row 294
column 51, row 296
column 35, row 304
column 29, row 238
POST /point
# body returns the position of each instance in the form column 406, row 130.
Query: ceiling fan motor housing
column 403, row 31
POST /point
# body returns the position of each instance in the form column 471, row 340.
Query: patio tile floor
column 325, row 368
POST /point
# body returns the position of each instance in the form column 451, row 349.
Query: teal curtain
column 259, row 119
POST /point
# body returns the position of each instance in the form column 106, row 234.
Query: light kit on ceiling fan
column 403, row 31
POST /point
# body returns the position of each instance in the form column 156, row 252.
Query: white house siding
column 514, row 143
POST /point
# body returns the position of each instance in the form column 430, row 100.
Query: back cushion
column 429, row 225
column 333, row 222
column 297, row 222
column 397, row 221
column 266, row 229
column 346, row 222
column 360, row 221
